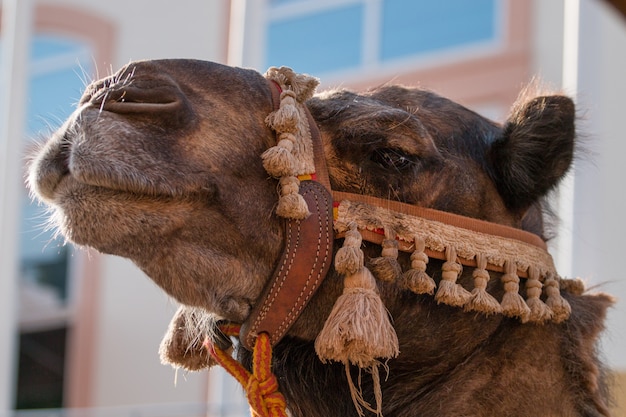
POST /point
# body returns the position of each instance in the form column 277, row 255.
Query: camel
column 202, row 174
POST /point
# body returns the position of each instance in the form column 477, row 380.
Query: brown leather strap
column 321, row 170
column 306, row 257
column 302, row 267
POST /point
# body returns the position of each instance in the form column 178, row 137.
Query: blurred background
column 79, row 331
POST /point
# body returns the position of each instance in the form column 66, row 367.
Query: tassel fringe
column 358, row 330
column 513, row 304
column 480, row 300
column 357, row 394
column 278, row 160
column 449, row 292
column 289, row 158
column 539, row 311
column 560, row 307
column 386, row 267
column 349, row 258
column 416, row 279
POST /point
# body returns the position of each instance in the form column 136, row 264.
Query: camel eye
column 392, row 158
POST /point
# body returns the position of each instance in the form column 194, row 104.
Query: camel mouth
column 74, row 163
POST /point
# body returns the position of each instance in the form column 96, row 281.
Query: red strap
column 261, row 384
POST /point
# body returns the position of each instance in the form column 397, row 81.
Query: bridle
column 423, row 232
column 307, row 254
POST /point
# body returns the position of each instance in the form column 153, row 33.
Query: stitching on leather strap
column 303, row 265
column 324, row 231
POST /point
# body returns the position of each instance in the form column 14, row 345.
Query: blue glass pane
column 315, row 43
column 55, row 85
column 421, row 26
column 52, row 97
column 281, row 2
column 49, row 46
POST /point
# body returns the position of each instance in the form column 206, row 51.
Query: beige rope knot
column 386, row 267
column 285, row 119
column 513, row 304
column 291, row 204
column 560, row 307
column 451, row 270
column 480, row 299
column 539, row 311
column 349, row 258
column 416, row 279
column 449, row 292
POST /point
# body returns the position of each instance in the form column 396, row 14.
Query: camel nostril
column 132, row 99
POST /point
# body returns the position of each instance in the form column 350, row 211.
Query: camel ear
column 535, row 150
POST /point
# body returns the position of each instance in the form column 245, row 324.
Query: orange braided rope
column 261, row 385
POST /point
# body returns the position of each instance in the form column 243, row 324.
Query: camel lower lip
column 69, row 184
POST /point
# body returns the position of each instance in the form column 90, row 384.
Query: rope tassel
column 560, row 307
column 449, row 292
column 386, row 267
column 291, row 204
column 513, row 304
column 285, row 119
column 280, row 161
column 416, row 279
column 349, row 258
column 539, row 311
column 358, row 330
column 481, row 300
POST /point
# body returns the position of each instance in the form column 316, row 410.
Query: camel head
column 160, row 163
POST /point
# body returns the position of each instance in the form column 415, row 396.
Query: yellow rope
column 261, row 385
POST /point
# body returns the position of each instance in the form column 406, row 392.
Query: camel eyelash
column 393, row 158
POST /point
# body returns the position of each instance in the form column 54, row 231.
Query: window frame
column 487, row 76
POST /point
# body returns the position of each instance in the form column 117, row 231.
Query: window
column 412, row 28
column 320, row 36
column 57, row 66
column 325, row 40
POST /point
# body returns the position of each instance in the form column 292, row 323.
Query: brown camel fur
column 161, row 164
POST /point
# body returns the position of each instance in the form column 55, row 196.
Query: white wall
column 133, row 315
column 602, row 200
column 152, row 29
column 599, row 192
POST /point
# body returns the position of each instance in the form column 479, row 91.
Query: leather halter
column 306, row 256
column 308, row 249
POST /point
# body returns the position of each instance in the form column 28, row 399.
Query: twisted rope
column 261, row 385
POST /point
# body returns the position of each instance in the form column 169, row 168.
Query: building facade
column 88, row 326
